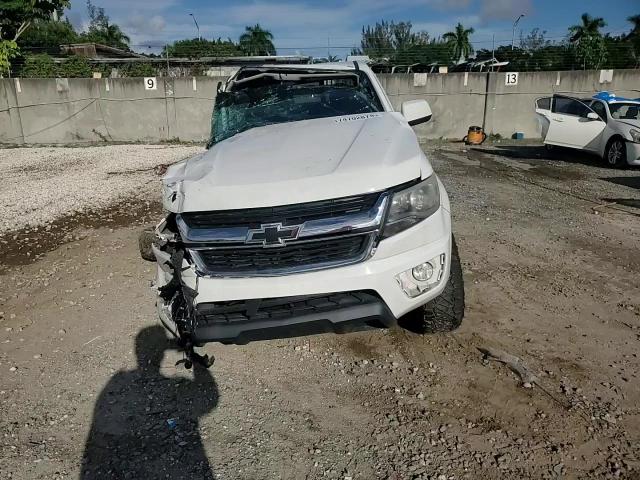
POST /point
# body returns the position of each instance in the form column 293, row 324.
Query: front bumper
column 377, row 275
column 290, row 317
column 633, row 153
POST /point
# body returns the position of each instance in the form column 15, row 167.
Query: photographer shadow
column 146, row 425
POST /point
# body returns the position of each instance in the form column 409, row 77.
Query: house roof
column 90, row 49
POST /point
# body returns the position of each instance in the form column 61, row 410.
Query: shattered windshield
column 268, row 101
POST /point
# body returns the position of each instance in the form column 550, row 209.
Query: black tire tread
column 445, row 312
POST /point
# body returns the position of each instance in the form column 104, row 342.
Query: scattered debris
column 514, row 363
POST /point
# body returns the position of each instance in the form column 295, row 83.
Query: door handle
column 558, row 120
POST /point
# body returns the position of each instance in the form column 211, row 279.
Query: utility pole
column 513, row 33
column 493, row 46
column 197, row 27
column 167, row 52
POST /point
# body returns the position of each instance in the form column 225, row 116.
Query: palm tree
column 114, row 36
column 459, row 43
column 588, row 41
column 257, row 41
column 590, row 28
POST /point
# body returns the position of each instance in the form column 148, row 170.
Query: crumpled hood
column 298, row 162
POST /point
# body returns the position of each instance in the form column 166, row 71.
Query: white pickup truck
column 313, row 210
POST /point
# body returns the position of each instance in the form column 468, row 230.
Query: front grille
column 292, row 257
column 278, row 308
column 285, row 214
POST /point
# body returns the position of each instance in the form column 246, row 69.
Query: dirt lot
column 550, row 258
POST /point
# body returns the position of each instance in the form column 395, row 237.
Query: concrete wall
column 456, row 100
column 86, row 110
column 64, row 111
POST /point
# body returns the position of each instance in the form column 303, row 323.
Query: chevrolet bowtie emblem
column 272, row 234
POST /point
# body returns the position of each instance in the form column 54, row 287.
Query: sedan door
column 570, row 126
column 543, row 115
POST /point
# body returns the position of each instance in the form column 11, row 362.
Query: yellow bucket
column 475, row 136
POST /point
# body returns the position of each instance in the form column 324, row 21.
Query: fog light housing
column 423, row 277
column 422, row 272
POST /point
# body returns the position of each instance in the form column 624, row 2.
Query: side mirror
column 593, row 116
column 416, row 111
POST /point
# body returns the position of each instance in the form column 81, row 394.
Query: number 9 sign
column 150, row 83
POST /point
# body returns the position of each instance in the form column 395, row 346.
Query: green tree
column 16, row 16
column 101, row 30
column 536, row 40
column 196, row 48
column 634, row 37
column 459, row 43
column 47, row 36
column 396, row 43
column 8, row 50
column 257, row 41
column 588, row 41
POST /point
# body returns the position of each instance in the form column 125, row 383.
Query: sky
column 316, row 27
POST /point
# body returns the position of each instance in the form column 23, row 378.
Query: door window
column 543, row 103
column 570, row 106
column 600, row 109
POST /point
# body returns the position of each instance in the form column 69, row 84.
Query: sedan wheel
column 616, row 154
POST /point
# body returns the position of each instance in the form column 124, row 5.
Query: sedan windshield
column 625, row 111
column 266, row 103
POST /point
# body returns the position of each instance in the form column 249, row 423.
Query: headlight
column 635, row 135
column 412, row 205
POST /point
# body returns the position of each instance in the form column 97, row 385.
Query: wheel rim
column 615, row 152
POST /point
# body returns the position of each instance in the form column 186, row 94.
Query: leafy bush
column 76, row 66
column 39, row 66
column 138, row 70
column 8, row 50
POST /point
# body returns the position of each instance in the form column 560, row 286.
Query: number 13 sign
column 511, row 78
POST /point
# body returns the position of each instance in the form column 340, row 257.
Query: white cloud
column 139, row 24
column 504, row 9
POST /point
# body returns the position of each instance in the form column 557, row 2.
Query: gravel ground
column 549, row 252
column 42, row 184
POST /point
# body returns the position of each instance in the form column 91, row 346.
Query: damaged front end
column 176, row 286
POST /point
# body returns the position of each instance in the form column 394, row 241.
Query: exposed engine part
column 176, row 300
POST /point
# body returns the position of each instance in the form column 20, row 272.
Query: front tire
column 445, row 312
column 616, row 153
